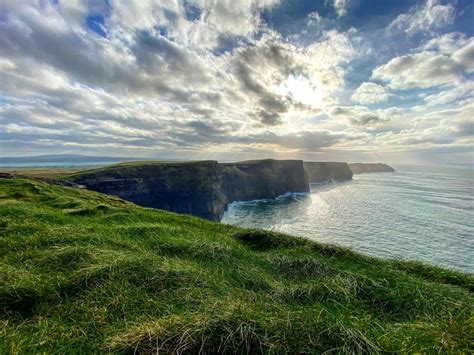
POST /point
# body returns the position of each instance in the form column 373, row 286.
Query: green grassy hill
column 84, row 272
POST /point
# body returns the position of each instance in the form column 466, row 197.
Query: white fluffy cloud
column 461, row 92
column 439, row 62
column 201, row 23
column 425, row 18
column 370, row 93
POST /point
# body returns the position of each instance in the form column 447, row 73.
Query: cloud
column 261, row 66
column 207, row 78
column 362, row 116
column 264, row 68
column 147, row 64
column 340, row 6
column 424, row 18
column 200, row 23
column 370, row 93
column 461, row 92
column 309, row 141
column 432, row 66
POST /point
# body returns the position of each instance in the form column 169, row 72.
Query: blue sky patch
column 96, row 23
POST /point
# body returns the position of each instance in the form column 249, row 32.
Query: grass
column 136, row 164
column 41, row 172
column 84, row 272
column 60, row 172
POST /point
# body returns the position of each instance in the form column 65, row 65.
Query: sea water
column 419, row 213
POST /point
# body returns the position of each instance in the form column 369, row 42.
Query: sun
column 302, row 90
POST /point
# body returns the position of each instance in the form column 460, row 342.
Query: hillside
column 84, row 272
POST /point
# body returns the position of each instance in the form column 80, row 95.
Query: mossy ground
column 84, row 273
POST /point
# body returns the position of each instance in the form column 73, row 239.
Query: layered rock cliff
column 183, row 187
column 361, row 168
column 202, row 188
column 269, row 178
column 205, row 188
column 327, row 171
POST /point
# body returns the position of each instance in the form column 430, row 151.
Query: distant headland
column 359, row 168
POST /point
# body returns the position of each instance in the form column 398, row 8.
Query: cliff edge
column 202, row 188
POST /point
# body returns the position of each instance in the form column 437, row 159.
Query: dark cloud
column 341, row 111
column 365, row 119
column 270, row 118
column 309, row 141
column 265, row 56
column 362, row 116
column 207, row 129
column 465, row 128
column 160, row 57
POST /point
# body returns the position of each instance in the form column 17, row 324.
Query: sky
column 341, row 80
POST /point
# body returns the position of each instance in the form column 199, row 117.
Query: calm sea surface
column 418, row 213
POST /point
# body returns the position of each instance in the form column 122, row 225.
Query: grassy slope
column 42, row 172
column 88, row 272
column 58, row 172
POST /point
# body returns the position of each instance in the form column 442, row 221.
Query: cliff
column 327, row 171
column 205, row 188
column 361, row 168
column 258, row 179
column 202, row 188
column 182, row 187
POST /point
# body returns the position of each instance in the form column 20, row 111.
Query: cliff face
column 191, row 188
column 361, row 168
column 205, row 188
column 202, row 189
column 250, row 180
column 327, row 171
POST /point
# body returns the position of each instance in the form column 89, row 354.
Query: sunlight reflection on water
column 424, row 214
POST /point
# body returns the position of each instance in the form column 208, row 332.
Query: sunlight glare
column 302, row 90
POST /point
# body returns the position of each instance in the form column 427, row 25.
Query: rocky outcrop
column 361, row 168
column 319, row 172
column 202, row 189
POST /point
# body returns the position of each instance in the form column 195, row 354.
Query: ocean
column 423, row 213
